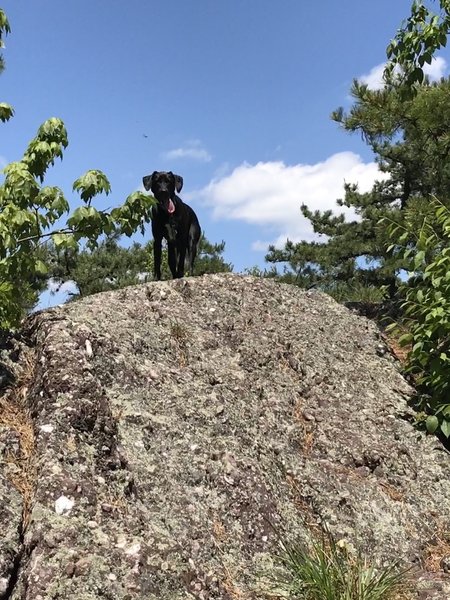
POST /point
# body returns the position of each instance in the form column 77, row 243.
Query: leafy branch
column 31, row 212
column 421, row 35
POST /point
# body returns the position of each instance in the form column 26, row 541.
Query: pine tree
column 410, row 139
column 111, row 266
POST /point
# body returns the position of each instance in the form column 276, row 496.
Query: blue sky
column 234, row 95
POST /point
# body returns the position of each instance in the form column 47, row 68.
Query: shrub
column 425, row 243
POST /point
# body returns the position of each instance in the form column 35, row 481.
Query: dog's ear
column 148, row 181
column 178, row 183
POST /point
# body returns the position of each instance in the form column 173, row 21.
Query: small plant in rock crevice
column 330, row 570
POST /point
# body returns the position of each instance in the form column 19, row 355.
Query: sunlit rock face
column 165, row 437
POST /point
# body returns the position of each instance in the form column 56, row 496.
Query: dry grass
column 305, row 510
column 71, row 445
column 307, row 441
column 219, row 532
column 436, row 550
column 400, row 352
column 228, row 582
column 179, row 335
column 393, row 492
column 230, row 586
column 15, row 415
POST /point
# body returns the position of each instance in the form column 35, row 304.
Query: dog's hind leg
column 172, row 258
column 194, row 237
column 181, row 258
column 192, row 254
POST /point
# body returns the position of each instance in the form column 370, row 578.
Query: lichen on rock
column 182, row 426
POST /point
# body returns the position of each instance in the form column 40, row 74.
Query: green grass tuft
column 330, row 570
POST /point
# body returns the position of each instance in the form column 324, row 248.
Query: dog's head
column 163, row 186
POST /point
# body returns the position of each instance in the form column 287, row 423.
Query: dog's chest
column 171, row 229
column 171, row 226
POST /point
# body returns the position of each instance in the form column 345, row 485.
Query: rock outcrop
column 158, row 439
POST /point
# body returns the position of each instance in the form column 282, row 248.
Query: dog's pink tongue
column 171, row 207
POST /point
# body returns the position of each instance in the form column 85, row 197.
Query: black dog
column 173, row 220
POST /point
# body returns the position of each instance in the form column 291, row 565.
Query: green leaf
column 6, row 112
column 58, row 239
column 416, row 76
column 406, row 338
column 64, row 240
column 48, row 145
column 445, row 428
column 4, row 23
column 432, row 423
column 53, row 130
column 90, row 184
column 40, row 267
column 419, row 258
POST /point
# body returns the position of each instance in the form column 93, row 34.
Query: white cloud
column 437, row 69
column 261, row 246
column 193, row 150
column 374, row 79
column 269, row 194
column 222, row 170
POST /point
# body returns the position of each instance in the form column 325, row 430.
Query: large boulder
column 181, row 427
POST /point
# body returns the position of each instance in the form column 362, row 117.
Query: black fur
column 173, row 220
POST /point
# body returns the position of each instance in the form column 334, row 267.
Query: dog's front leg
column 172, row 256
column 157, row 244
